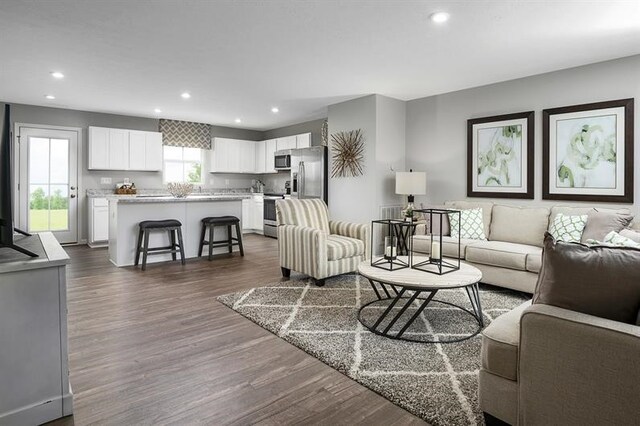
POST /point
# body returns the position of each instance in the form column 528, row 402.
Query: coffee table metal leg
column 402, row 311
column 373, row 285
column 386, row 312
column 417, row 313
column 473, row 291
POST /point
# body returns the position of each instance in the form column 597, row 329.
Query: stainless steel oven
column 270, row 220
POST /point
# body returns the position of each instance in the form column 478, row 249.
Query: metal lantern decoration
column 436, row 263
column 392, row 250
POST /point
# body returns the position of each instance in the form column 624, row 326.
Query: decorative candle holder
column 387, row 232
column 436, row 263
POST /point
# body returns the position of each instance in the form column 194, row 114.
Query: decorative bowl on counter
column 179, row 189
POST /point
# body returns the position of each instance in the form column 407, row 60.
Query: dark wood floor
column 155, row 347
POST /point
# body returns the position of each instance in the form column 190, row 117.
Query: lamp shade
column 411, row 183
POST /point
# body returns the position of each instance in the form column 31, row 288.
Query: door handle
column 72, row 188
column 72, row 196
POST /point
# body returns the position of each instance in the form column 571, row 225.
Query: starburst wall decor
column 347, row 153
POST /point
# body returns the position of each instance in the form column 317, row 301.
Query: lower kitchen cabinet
column 98, row 222
column 252, row 215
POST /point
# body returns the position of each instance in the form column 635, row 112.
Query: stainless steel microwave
column 282, row 160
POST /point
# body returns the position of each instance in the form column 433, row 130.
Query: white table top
column 466, row 275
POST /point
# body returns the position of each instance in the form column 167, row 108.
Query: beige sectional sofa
column 511, row 256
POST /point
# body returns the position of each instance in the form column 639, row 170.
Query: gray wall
column 436, row 125
column 314, row 127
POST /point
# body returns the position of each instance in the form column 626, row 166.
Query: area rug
column 437, row 382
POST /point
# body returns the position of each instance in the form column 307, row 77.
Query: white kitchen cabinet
column 247, row 156
column 98, row 222
column 137, row 150
column 303, row 140
column 247, row 215
column 258, row 213
column 233, row 156
column 98, row 148
column 120, row 149
column 260, row 157
column 288, row 142
column 270, row 153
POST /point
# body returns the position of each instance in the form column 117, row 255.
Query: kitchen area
column 229, row 177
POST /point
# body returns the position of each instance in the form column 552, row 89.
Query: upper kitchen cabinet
column 271, row 146
column 303, row 140
column 232, row 156
column 120, row 149
column 288, row 142
column 261, row 157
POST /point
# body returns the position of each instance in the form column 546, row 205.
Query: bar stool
column 172, row 226
column 210, row 223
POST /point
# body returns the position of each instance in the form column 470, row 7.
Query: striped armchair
column 311, row 244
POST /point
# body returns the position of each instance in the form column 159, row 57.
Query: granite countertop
column 130, row 199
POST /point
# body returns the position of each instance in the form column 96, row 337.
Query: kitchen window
column 182, row 164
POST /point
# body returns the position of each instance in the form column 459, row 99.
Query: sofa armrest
column 303, row 249
column 577, row 369
column 353, row 230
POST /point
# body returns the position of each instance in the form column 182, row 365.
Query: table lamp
column 411, row 183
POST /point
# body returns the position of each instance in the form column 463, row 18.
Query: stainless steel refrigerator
column 309, row 172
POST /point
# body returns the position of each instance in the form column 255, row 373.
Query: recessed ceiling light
column 439, row 17
column 186, row 95
column 57, row 74
column 274, row 110
column 49, row 96
column 157, row 110
column 237, row 120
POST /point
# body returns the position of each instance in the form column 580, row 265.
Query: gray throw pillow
column 600, row 223
column 436, row 221
column 602, row 281
column 631, row 234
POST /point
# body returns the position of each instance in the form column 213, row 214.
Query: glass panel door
column 48, row 182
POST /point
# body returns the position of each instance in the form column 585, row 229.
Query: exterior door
column 48, row 184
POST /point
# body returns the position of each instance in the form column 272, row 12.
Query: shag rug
column 437, row 382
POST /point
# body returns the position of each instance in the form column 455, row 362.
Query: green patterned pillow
column 568, row 228
column 471, row 224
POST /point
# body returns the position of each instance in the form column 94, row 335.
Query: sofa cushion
column 524, row 225
column 467, row 205
column 534, row 262
column 502, row 254
column 631, row 234
column 422, row 244
column 602, row 281
column 339, row 247
column 500, row 342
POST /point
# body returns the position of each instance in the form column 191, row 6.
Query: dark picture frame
column 527, row 140
column 562, row 174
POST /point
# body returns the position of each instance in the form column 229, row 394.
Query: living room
column 315, row 306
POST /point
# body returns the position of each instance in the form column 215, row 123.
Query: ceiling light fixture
column 237, row 120
column 51, row 97
column 186, row 95
column 274, row 110
column 57, row 74
column 157, row 110
column 439, row 17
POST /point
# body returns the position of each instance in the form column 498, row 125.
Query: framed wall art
column 588, row 152
column 500, row 156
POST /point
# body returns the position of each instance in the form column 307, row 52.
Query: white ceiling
column 240, row 58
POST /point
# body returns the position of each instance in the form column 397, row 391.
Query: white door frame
column 79, row 169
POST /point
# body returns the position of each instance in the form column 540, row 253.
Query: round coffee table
column 417, row 288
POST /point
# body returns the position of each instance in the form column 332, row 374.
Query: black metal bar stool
column 210, row 223
column 172, row 226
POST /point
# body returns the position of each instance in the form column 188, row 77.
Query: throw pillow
column 631, row 234
column 435, row 226
column 578, row 277
column 568, row 228
column 601, row 223
column 615, row 239
column 470, row 224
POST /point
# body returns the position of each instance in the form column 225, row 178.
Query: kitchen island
column 126, row 213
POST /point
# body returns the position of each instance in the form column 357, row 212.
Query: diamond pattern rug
column 437, row 382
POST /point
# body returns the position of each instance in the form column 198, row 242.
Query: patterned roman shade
column 185, row 133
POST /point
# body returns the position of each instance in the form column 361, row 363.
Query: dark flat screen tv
column 7, row 229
